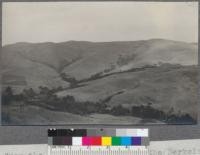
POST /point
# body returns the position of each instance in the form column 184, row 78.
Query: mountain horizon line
column 86, row 41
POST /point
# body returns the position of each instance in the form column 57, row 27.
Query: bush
column 120, row 111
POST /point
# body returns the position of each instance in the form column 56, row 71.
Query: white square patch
column 77, row 141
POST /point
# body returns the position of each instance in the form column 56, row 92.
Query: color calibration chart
column 98, row 141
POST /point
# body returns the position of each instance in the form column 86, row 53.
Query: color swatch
column 106, row 141
column 98, row 132
column 97, row 137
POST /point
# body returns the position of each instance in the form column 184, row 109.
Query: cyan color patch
column 126, row 141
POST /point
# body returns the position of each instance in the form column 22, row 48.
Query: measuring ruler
column 93, row 150
column 98, row 142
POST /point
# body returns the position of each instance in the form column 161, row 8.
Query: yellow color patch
column 106, row 141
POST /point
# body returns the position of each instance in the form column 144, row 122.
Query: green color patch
column 116, row 141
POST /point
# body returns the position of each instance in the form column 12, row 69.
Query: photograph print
column 108, row 63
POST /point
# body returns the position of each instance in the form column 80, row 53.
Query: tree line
column 46, row 98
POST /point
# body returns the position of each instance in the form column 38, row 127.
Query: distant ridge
column 82, row 41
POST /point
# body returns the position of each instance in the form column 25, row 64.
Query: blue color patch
column 126, row 141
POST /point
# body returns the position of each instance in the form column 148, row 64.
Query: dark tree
column 29, row 93
column 7, row 96
column 73, row 82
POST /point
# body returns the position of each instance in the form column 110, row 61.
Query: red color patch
column 96, row 141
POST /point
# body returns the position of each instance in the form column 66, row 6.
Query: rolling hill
column 146, row 81
column 165, row 87
column 41, row 64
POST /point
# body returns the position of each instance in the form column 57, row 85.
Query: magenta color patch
column 86, row 141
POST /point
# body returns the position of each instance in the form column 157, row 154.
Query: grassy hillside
column 42, row 64
column 164, row 88
column 147, row 81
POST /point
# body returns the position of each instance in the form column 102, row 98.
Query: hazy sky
column 99, row 21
